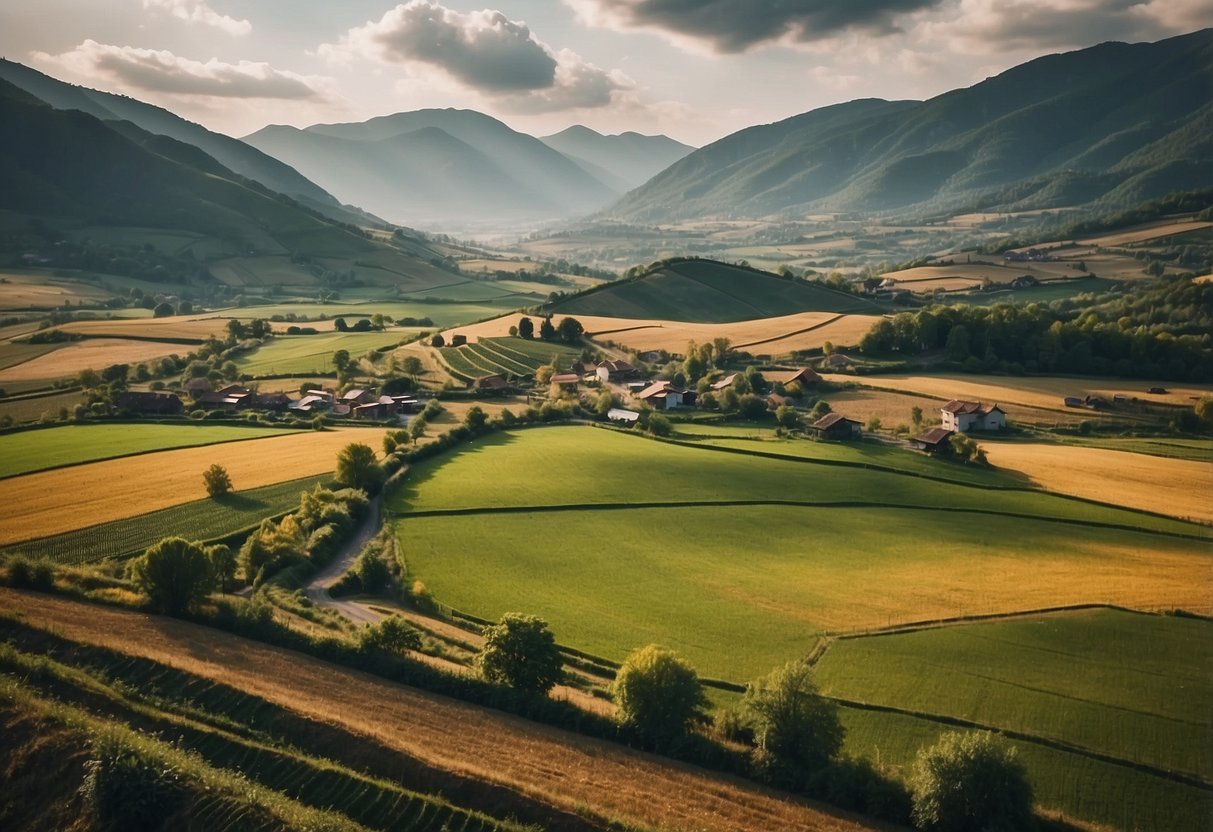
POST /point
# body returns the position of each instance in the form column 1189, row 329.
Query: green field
column 758, row 559
column 200, row 520
column 704, row 291
column 442, row 314
column 1128, row 696
column 1042, row 293
column 306, row 354
column 36, row 450
column 1200, row 450
column 507, row 356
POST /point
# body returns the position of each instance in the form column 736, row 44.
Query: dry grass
column 51, row 502
column 1146, row 233
column 1040, row 392
column 178, row 326
column 642, row 334
column 1178, row 487
column 559, row 767
column 94, row 353
column 33, row 290
column 893, row 409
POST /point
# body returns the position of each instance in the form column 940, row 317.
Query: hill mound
column 706, row 291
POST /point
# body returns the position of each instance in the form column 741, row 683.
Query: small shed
column 837, row 426
column 934, row 441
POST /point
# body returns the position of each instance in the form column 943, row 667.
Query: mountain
column 1117, row 122
column 439, row 166
column 627, row 159
column 233, row 154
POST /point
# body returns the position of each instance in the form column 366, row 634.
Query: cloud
column 732, row 26
column 484, row 51
column 982, row 26
column 197, row 11
column 162, row 71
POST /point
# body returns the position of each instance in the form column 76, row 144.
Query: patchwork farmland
column 509, row 357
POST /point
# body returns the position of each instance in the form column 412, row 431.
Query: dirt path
column 318, row 589
column 545, row 763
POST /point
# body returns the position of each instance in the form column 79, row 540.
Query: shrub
column 31, row 574
column 520, row 651
column 970, row 781
column 793, row 724
column 217, row 481
column 391, row 635
column 658, row 694
column 175, row 574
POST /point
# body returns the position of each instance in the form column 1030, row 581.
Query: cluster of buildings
column 358, row 403
column 959, row 416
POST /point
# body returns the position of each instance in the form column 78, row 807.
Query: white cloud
column 197, row 11
column 483, row 51
column 162, row 71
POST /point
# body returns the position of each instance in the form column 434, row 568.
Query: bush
column 217, row 481
column 391, row 635
column 31, row 574
column 970, row 781
column 658, row 694
column 520, row 651
column 175, row 574
column 797, row 728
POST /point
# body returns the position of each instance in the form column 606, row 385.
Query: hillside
column 438, row 166
column 1116, row 122
column 705, row 291
column 232, row 153
column 630, row 159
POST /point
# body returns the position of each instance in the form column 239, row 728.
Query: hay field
column 554, row 766
column 34, row 290
column 192, row 327
column 94, row 353
column 1044, row 392
column 308, row 354
column 52, row 502
column 893, row 409
column 1178, row 487
column 769, row 335
column 1144, row 234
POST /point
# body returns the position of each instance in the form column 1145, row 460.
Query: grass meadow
column 306, row 354
column 37, row 450
column 555, row 524
column 1118, row 689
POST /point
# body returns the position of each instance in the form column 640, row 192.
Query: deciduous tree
column 175, row 574
column 520, row 651
column 657, row 693
column 970, row 781
column 217, row 480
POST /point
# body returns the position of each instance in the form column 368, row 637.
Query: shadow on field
column 402, row 500
column 240, row 502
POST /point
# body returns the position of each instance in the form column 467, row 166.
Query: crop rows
column 461, row 363
column 199, row 520
column 505, row 364
column 534, row 353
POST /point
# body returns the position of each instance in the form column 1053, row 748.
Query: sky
column 695, row 70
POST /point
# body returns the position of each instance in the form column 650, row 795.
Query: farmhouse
column 165, row 403
column 617, row 371
column 270, row 401
column 725, row 382
column 662, row 395
column 836, row 426
column 966, row 416
column 566, row 379
column 383, row 408
column 934, row 441
column 785, row 377
column 358, row 396
column 836, row 361
column 312, row 403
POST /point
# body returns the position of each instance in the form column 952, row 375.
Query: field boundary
column 833, row 320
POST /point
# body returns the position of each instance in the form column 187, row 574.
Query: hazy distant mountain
column 438, row 166
column 630, row 159
column 231, row 153
column 1116, row 122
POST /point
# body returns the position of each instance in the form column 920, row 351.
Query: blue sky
column 693, row 69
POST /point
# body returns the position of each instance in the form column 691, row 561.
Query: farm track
column 830, row 504
column 544, row 764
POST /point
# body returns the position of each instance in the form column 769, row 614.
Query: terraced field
column 66, row 499
column 1089, row 698
column 508, row 356
column 36, row 450
column 740, row 561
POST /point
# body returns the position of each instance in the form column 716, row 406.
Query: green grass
column 1042, row 293
column 442, row 314
column 199, row 520
column 1200, row 450
column 508, row 356
column 36, row 450
column 705, row 291
column 535, row 352
column 1131, row 687
column 306, row 354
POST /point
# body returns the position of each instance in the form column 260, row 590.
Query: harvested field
column 767, row 335
column 52, row 502
column 1144, row 234
column 34, row 290
column 558, row 767
column 1177, row 487
column 1044, row 392
column 92, row 353
column 191, row 327
column 893, row 409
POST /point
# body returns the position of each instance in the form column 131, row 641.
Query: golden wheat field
column 765, row 335
column 1045, row 392
column 22, row 290
column 51, row 502
column 197, row 327
column 1179, row 487
column 1154, row 231
column 94, row 353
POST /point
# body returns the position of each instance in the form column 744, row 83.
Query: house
column 966, row 416
column 785, row 377
column 311, row 403
column 408, row 404
column 776, row 401
column 160, row 403
column 616, row 371
column 384, row 407
column 565, row 379
column 359, row 396
column 270, row 401
column 837, row 362
column 321, row 394
column 618, row 414
column 725, row 382
column 494, row 382
column 934, row 441
column 837, row 426
column 662, row 395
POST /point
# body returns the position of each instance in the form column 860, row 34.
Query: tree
column 340, row 325
column 659, row 425
column 175, row 574
column 966, row 449
column 793, row 723
column 916, row 417
column 163, row 310
column 341, row 360
column 787, row 416
column 437, row 340
column 411, row 366
column 476, row 419
column 223, row 564
column 358, row 468
column 546, row 331
column 526, row 328
column 657, row 693
column 570, row 330
column 520, row 651
column 751, row 407
column 391, row 635
column 217, row 481
column 970, row 781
